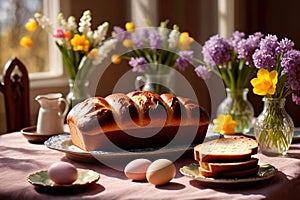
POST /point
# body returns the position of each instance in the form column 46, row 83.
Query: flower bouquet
column 231, row 59
column 154, row 51
column 278, row 76
column 81, row 47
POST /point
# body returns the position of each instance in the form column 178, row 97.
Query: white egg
column 62, row 173
column 136, row 169
column 161, row 172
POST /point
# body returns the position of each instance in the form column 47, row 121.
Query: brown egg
column 161, row 172
column 62, row 173
column 136, row 169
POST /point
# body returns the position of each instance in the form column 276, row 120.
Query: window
column 225, row 17
column 40, row 59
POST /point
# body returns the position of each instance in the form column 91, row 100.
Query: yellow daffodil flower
column 185, row 40
column 265, row 83
column 26, row 42
column 116, row 59
column 127, row 43
column 80, row 43
column 93, row 53
column 130, row 26
column 224, row 124
column 31, row 25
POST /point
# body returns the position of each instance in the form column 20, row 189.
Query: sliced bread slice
column 232, row 166
column 230, row 174
column 231, row 149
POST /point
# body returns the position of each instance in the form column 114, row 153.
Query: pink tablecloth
column 18, row 158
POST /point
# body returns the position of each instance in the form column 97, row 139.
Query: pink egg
column 63, row 173
column 136, row 169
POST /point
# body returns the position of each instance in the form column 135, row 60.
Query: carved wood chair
column 15, row 89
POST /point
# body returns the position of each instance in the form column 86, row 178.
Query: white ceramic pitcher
column 51, row 114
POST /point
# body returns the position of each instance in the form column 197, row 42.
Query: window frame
column 57, row 75
column 226, row 17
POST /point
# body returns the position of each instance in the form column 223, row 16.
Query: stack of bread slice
column 227, row 157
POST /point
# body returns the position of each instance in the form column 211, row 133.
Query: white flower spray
column 85, row 22
column 173, row 38
column 105, row 49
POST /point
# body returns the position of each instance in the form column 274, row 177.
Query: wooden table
column 19, row 158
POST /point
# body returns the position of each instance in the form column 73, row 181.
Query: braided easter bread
column 138, row 112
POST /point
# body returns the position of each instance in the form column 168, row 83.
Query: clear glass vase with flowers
column 155, row 52
column 81, row 48
column 278, row 76
column 231, row 59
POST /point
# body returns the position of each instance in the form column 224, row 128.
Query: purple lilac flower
column 185, row 57
column 155, row 40
column 293, row 79
column 203, row 72
column 138, row 64
column 290, row 59
column 137, row 40
column 263, row 60
column 296, row 98
column 291, row 63
column 258, row 35
column 270, row 45
column 285, row 45
column 216, row 51
column 145, row 32
column 246, row 47
column 141, row 38
column 236, row 37
column 121, row 33
column 266, row 55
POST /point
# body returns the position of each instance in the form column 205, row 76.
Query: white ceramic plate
column 63, row 143
column 266, row 171
column 41, row 180
column 296, row 136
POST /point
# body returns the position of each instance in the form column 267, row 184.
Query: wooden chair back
column 15, row 88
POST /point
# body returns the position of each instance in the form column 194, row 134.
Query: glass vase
column 274, row 128
column 241, row 110
column 78, row 92
column 159, row 83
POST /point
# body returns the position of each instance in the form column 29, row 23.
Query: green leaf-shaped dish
column 85, row 178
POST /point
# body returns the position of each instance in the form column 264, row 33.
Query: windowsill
column 47, row 81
